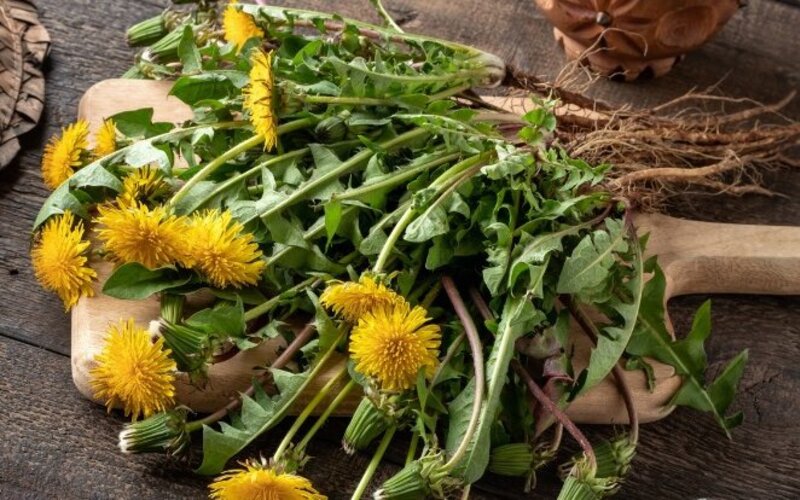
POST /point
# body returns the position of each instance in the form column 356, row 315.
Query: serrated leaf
column 638, row 363
column 57, row 203
column 532, row 253
column 94, row 175
column 373, row 243
column 333, row 217
column 429, row 224
column 624, row 308
column 254, row 418
column 225, row 319
column 518, row 318
column 133, row 281
column 440, row 253
column 325, row 161
column 187, row 51
column 144, row 153
column 138, row 123
column 590, row 262
column 196, row 198
column 286, row 232
column 498, row 256
column 324, row 324
column 238, row 79
column 508, row 164
column 246, row 211
column 687, row 356
column 208, row 85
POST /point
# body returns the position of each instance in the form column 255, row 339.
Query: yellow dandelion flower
column 105, row 141
column 238, row 26
column 258, row 99
column 149, row 236
column 59, row 260
column 393, row 343
column 223, row 251
column 256, row 480
column 63, row 155
column 141, row 185
column 352, row 300
column 134, row 372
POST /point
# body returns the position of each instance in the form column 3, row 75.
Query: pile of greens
column 388, row 167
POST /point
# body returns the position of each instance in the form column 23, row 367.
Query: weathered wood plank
column 89, row 46
column 58, row 445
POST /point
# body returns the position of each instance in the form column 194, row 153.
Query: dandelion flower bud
column 164, row 431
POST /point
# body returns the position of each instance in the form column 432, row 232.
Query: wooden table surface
column 54, row 444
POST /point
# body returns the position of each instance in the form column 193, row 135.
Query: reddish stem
column 554, row 410
column 591, row 331
column 473, row 337
column 299, row 341
column 483, row 308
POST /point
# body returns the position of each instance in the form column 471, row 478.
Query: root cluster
column 699, row 140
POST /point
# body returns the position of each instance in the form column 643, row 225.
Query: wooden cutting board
column 697, row 257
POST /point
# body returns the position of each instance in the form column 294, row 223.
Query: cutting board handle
column 707, row 257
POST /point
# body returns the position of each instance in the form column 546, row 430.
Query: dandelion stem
column 387, row 18
column 630, row 406
column 476, row 348
column 267, row 306
column 412, row 448
column 372, row 101
column 308, row 187
column 299, row 153
column 345, row 101
column 554, row 410
column 491, row 65
column 300, row 420
column 213, row 166
column 235, row 151
column 397, row 178
column 443, row 186
column 373, row 464
column 391, row 240
column 591, row 331
column 172, row 306
column 347, row 389
column 483, row 308
column 302, row 338
column 299, row 341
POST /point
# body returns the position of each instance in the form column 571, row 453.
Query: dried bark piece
column 24, row 44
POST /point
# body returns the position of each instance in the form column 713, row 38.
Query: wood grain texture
column 46, row 450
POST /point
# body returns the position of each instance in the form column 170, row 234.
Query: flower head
column 238, row 26
column 258, row 98
column 352, row 300
column 141, row 185
column 140, row 234
column 106, row 139
column 393, row 343
column 63, row 155
column 257, row 480
column 59, row 259
column 223, row 251
column 134, row 372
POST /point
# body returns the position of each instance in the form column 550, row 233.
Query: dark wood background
column 54, row 444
